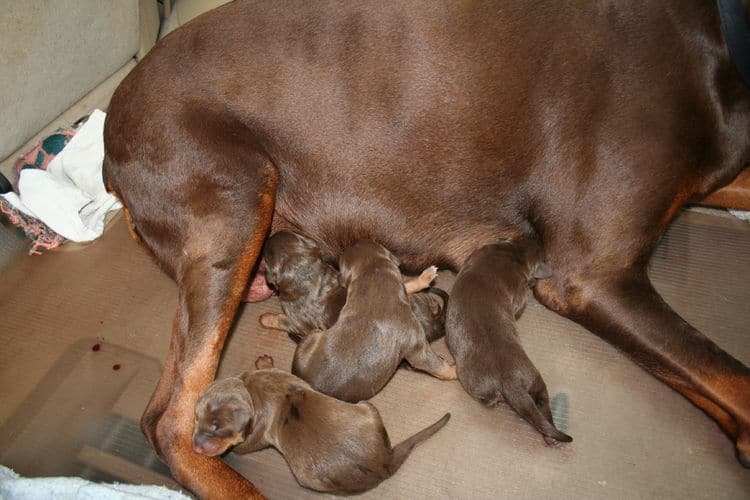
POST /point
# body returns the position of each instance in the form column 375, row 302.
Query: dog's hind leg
column 207, row 232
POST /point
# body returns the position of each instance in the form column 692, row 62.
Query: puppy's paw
column 264, row 362
column 450, row 373
column 269, row 320
column 447, row 370
column 428, row 276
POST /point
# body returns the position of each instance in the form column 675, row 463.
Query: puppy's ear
column 308, row 245
column 243, row 415
column 275, row 261
column 271, row 270
column 393, row 258
column 295, row 394
column 541, row 271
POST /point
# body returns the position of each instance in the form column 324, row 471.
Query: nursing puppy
column 488, row 296
column 309, row 290
column 312, row 296
column 375, row 331
column 330, row 445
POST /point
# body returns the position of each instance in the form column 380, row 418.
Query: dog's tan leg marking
column 211, row 275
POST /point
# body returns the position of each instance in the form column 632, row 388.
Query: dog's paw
column 428, row 276
column 264, row 362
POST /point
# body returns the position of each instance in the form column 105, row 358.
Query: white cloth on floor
column 13, row 486
column 70, row 196
column 741, row 214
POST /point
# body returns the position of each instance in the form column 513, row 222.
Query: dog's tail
column 404, row 448
column 525, row 406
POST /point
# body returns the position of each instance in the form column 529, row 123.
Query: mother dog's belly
column 421, row 227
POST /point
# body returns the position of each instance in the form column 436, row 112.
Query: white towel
column 13, row 486
column 70, row 196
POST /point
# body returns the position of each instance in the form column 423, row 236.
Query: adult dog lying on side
column 433, row 129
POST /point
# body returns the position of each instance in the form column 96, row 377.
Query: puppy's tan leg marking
column 422, row 281
column 274, row 321
column 264, row 362
column 447, row 372
column 426, row 360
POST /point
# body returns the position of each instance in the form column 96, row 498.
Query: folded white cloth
column 741, row 214
column 13, row 486
column 70, row 196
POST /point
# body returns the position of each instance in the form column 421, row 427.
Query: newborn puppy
column 376, row 330
column 330, row 445
column 311, row 295
column 308, row 287
column 487, row 297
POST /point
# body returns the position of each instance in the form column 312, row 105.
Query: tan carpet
column 64, row 409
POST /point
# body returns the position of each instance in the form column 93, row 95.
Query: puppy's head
column 284, row 253
column 365, row 254
column 223, row 417
column 430, row 311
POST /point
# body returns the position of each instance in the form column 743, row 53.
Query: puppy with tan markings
column 311, row 294
column 330, row 445
column 375, row 331
column 489, row 294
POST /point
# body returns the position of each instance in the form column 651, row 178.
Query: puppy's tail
column 440, row 293
column 525, row 406
column 404, row 448
column 296, row 337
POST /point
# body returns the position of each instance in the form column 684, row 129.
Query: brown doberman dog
column 433, row 129
column 330, row 445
